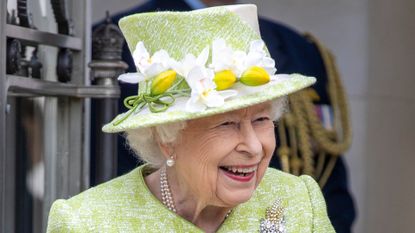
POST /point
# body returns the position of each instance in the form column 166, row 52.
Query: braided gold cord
column 283, row 149
column 303, row 135
column 296, row 162
column 337, row 96
column 306, row 133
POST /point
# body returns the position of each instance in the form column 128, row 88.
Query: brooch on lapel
column 274, row 220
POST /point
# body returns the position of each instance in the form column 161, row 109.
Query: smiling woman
column 215, row 157
column 204, row 126
column 227, row 153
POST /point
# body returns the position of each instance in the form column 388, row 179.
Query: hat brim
column 283, row 85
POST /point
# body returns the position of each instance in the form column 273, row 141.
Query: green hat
column 196, row 64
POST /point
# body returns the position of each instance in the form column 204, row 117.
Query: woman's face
column 221, row 159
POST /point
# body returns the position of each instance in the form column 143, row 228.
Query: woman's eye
column 263, row 122
column 262, row 119
column 228, row 123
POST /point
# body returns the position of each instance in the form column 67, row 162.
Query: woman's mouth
column 239, row 173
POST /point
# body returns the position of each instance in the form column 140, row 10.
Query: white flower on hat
column 203, row 94
column 253, row 68
column 200, row 80
column 258, row 57
column 147, row 66
column 225, row 58
column 184, row 66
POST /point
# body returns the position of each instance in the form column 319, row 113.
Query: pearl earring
column 170, row 162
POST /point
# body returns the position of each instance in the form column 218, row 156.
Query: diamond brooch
column 274, row 220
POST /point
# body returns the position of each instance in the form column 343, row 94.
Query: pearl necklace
column 167, row 197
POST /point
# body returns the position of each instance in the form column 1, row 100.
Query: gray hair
column 144, row 141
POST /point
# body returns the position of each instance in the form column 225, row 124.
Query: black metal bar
column 6, row 221
column 106, row 65
column 20, row 86
column 105, row 145
column 35, row 37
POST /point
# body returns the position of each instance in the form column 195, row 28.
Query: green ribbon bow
column 157, row 103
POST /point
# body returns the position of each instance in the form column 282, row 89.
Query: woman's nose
column 249, row 141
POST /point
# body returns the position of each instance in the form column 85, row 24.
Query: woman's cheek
column 269, row 142
column 262, row 169
column 218, row 144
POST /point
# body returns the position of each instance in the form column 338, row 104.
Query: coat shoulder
column 274, row 178
column 93, row 207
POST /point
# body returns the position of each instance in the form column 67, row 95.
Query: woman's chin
column 233, row 199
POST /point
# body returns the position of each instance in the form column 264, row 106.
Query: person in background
column 294, row 53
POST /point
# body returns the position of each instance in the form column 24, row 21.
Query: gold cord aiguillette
column 302, row 135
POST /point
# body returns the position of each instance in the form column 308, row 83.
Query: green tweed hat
column 196, row 64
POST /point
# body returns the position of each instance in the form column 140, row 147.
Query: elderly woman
column 202, row 122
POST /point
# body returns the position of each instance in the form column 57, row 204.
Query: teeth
column 241, row 170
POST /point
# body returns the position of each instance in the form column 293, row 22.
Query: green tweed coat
column 125, row 204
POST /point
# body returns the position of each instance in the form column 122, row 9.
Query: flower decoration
column 189, row 62
column 224, row 79
column 162, row 82
column 225, row 58
column 162, row 79
column 255, row 76
column 253, row 68
column 200, row 80
column 148, row 67
column 258, row 57
column 203, row 93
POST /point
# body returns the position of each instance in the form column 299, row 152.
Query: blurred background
column 373, row 42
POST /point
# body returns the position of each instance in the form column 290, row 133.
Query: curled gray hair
column 144, row 141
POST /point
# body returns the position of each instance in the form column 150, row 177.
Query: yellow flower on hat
column 255, row 76
column 253, row 68
column 224, row 79
column 203, row 94
column 163, row 82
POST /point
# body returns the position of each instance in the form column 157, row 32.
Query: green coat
column 125, row 204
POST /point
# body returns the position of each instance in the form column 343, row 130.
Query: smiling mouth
column 239, row 171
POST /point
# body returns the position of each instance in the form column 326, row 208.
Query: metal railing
column 66, row 107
